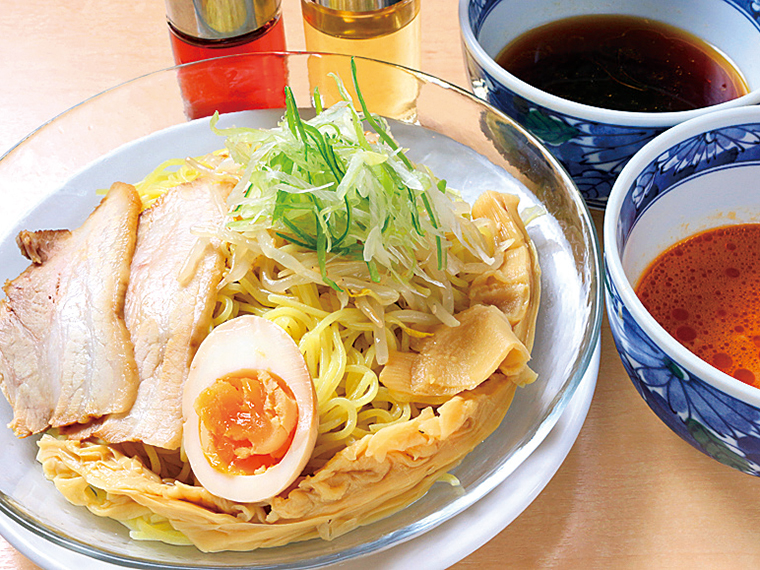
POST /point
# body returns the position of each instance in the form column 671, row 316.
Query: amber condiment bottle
column 387, row 30
column 210, row 29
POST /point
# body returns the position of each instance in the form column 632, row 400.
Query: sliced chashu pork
column 65, row 352
column 168, row 309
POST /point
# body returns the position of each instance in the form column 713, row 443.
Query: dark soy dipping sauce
column 624, row 63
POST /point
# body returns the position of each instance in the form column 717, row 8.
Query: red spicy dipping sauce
column 705, row 291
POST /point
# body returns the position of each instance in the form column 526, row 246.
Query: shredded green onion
column 327, row 185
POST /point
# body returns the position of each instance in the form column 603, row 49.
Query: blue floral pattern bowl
column 696, row 176
column 594, row 144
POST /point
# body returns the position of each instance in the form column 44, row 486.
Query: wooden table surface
column 631, row 494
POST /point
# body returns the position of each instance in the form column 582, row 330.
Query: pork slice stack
column 65, row 352
column 97, row 336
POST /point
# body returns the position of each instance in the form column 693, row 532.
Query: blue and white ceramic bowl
column 592, row 143
column 701, row 174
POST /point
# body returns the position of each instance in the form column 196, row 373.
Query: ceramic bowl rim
column 614, row 266
column 580, row 110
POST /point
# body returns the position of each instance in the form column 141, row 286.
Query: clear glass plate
column 50, row 181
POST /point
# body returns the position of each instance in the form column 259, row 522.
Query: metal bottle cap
column 356, row 5
column 220, row 19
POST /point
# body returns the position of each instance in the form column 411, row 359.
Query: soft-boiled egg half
column 249, row 408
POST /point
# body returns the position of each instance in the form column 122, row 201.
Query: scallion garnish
column 324, row 185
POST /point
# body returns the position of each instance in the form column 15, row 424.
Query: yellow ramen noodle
column 378, row 449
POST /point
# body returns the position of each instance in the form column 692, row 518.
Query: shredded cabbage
column 155, row 527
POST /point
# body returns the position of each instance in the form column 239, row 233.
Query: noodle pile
column 376, row 452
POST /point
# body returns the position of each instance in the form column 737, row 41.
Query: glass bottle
column 207, row 29
column 387, row 30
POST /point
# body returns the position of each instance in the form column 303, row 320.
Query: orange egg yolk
column 247, row 421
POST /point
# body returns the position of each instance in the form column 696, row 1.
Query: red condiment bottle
column 210, row 29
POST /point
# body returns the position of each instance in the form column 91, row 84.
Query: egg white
column 250, row 343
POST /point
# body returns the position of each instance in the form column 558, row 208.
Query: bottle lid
column 220, row 19
column 356, row 5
